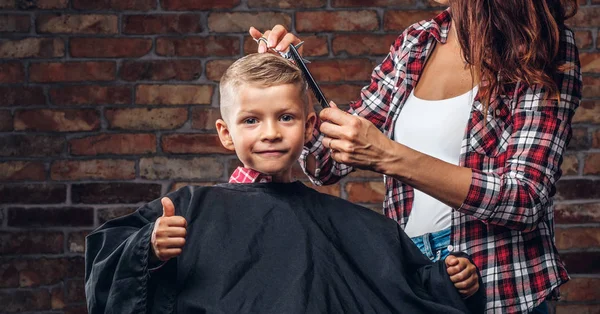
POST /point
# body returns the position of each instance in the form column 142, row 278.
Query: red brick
column 90, row 95
column 75, row 292
column 588, row 112
column 72, row 71
column 106, row 214
column 221, row 46
column 587, row 16
column 363, row 44
column 314, row 46
column 22, row 170
column 31, row 242
column 577, row 213
column 341, row 70
column 12, row 23
column 161, row 168
column 579, row 262
column 110, row 47
column 365, row 192
column 50, row 217
column 596, row 139
column 216, row 68
column 115, row 193
column 400, row 20
column 7, row 4
column 583, row 39
column 581, row 289
column 77, row 24
column 162, row 24
column 371, row 3
column 580, row 140
column 11, row 72
column 114, row 144
column 76, row 241
column 229, row 22
column 286, row 4
column 99, row 169
column 590, row 62
column 18, row 145
column 117, row 5
column 591, row 165
column 6, row 121
column 163, row 70
column 193, row 144
column 185, row 5
column 577, row 238
column 174, row 94
column 146, row 118
column 32, row 48
column 341, row 94
column 51, row 4
column 29, row 272
column 32, row 193
column 205, row 118
column 57, row 298
column 25, row 300
column 570, row 165
column 22, row 96
column 322, row 21
column 577, row 189
column 577, row 308
column 57, row 120
column 591, row 86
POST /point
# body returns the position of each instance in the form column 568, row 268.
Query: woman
column 468, row 118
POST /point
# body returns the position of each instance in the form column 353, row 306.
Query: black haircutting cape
column 267, row 248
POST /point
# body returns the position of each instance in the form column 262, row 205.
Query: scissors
column 293, row 55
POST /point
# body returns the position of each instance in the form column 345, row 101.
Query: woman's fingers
column 276, row 35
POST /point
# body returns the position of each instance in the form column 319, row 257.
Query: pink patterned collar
column 247, row 175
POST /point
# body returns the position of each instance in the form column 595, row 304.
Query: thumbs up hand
column 168, row 236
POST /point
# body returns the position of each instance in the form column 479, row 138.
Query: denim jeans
column 434, row 245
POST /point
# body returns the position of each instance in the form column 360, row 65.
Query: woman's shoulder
column 419, row 33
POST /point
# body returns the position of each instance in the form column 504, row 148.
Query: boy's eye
column 250, row 121
column 286, row 117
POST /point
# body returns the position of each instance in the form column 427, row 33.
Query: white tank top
column 435, row 128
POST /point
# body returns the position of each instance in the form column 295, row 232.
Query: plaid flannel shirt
column 506, row 222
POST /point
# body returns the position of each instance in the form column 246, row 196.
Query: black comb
column 309, row 79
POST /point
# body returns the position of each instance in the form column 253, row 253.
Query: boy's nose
column 270, row 132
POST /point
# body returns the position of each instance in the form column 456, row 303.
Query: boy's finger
column 168, row 207
column 175, row 221
column 453, row 270
column 460, row 275
column 451, row 260
column 467, row 283
column 178, row 232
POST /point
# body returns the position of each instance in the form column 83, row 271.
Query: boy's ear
column 309, row 126
column 224, row 135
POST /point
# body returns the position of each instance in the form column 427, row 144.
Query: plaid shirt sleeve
column 519, row 196
column 373, row 105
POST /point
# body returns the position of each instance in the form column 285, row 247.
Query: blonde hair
column 263, row 70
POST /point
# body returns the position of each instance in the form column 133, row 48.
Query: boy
column 271, row 245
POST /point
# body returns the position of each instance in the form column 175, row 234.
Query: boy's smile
column 267, row 127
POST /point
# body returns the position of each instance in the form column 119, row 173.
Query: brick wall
column 107, row 104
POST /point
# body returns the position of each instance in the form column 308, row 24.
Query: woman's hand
column 355, row 141
column 277, row 38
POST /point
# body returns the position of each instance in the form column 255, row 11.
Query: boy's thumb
column 168, row 207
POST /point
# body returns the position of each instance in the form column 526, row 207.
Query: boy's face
column 267, row 127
